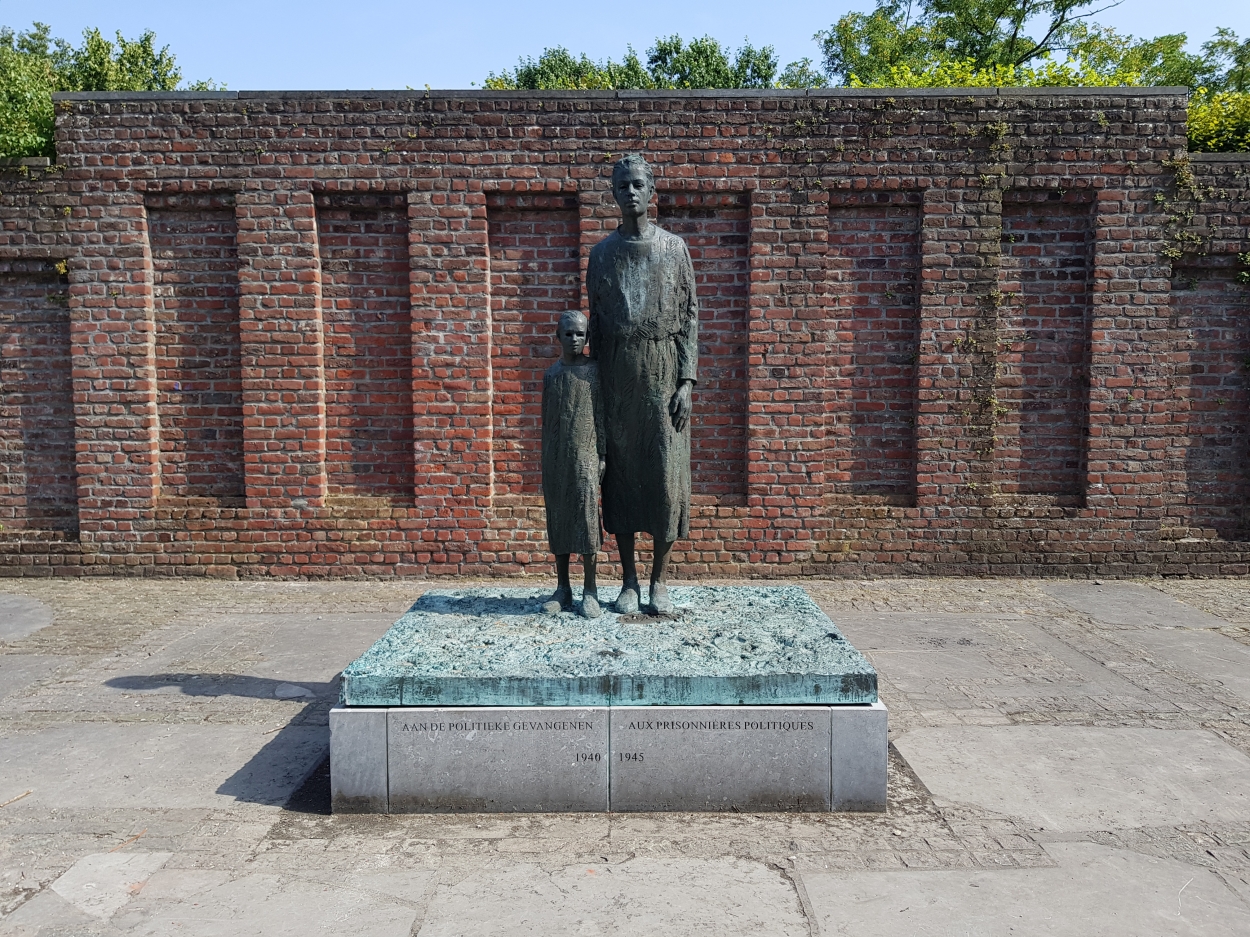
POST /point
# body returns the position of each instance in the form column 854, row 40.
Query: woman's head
column 633, row 184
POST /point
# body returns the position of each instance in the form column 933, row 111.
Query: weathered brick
column 940, row 332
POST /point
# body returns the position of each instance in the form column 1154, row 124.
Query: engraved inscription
column 499, row 726
column 719, row 758
column 491, row 759
column 722, row 725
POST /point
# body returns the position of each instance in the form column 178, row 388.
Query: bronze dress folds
column 573, row 444
column 644, row 332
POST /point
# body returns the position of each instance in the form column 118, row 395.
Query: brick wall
column 874, row 263
column 1213, row 310
column 1043, row 336
column 195, row 291
column 940, row 333
column 37, row 476
column 534, row 279
column 367, row 327
column 716, row 228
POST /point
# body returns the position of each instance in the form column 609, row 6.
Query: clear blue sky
column 315, row 44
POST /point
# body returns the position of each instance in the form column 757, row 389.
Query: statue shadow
column 291, row 768
column 480, row 605
column 224, row 684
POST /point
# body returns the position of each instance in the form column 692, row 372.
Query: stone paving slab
column 1071, row 778
column 1130, row 605
column 21, row 616
column 925, row 866
column 1091, row 890
column 144, row 765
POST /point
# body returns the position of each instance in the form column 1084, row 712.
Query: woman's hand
column 679, row 406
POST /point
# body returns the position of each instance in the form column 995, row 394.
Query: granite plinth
column 635, row 758
column 489, row 760
column 723, row 645
column 720, row 758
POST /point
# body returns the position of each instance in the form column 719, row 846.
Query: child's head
column 572, row 331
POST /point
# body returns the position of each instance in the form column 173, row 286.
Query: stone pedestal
column 557, row 759
column 747, row 699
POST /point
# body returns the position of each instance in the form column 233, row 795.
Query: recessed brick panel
column 717, row 229
column 195, row 292
column 1213, row 310
column 363, row 244
column 534, row 279
column 1043, row 330
column 873, row 264
column 37, row 477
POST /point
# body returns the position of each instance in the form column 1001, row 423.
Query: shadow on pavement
column 226, row 684
column 313, row 796
column 288, row 769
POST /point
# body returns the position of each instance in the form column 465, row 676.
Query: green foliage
column 992, row 32
column 1231, row 58
column 1107, row 57
column 33, row 65
column 914, row 35
column 1097, row 57
column 981, row 44
column 672, row 63
column 100, row 65
column 1219, row 121
column 557, row 70
column 26, row 82
column 703, row 63
column 800, row 74
column 933, row 43
column 868, row 47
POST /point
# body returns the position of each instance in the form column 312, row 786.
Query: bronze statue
column 574, row 444
column 644, row 323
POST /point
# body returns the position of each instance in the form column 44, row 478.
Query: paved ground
column 1069, row 759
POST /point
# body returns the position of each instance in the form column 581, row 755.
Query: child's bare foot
column 660, row 602
column 560, row 600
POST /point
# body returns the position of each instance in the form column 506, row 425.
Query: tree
column 1232, row 57
column 916, row 34
column 703, row 63
column 982, row 43
column 865, row 47
column 992, row 32
column 33, row 65
column 672, row 63
column 558, row 70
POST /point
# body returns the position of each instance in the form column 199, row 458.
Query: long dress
column 573, row 443
column 644, row 332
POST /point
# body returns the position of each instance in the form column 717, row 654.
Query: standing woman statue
column 644, row 324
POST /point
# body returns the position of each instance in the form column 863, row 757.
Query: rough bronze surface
column 644, row 326
column 573, row 441
column 722, row 645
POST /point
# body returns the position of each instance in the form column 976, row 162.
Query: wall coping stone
column 748, row 93
column 1220, row 157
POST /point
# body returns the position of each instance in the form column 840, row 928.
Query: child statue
column 574, row 445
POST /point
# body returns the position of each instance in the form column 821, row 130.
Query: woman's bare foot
column 560, row 600
column 627, row 601
column 660, row 602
